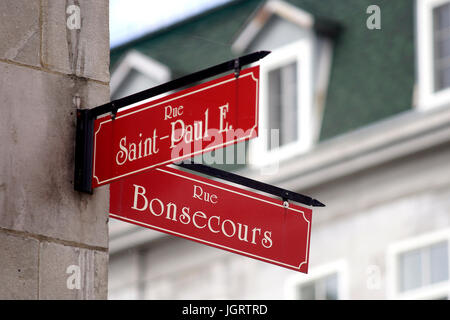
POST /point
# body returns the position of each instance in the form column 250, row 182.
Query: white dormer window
column 433, row 48
column 285, row 104
column 293, row 79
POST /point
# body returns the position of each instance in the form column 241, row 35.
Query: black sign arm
column 253, row 184
column 180, row 82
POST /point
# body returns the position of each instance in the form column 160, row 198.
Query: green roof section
column 372, row 74
column 196, row 43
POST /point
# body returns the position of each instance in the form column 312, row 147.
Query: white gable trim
column 138, row 61
column 271, row 7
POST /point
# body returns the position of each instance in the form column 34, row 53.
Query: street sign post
column 216, row 214
column 181, row 125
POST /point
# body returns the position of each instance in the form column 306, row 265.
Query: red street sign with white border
column 150, row 134
column 216, row 214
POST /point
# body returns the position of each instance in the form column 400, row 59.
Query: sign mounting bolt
column 237, row 68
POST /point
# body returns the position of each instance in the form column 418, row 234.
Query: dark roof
column 372, row 75
column 196, row 43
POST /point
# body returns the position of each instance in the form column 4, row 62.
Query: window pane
column 439, row 262
column 283, row 111
column 308, row 291
column 442, row 17
column 441, row 35
column 274, row 104
column 289, row 103
column 410, row 270
column 443, row 48
column 442, row 78
column 320, row 289
column 331, row 287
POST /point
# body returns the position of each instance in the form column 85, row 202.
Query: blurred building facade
column 360, row 93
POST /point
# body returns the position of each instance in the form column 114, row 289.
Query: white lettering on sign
column 201, row 215
column 180, row 131
column 205, row 196
column 188, row 132
column 223, row 115
column 170, row 112
column 139, row 191
column 200, row 219
column 134, row 151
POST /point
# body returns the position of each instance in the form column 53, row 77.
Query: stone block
column 20, row 31
column 82, row 51
column 37, row 157
column 19, row 267
column 67, row 272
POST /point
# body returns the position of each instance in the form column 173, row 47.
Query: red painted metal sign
column 215, row 214
column 176, row 127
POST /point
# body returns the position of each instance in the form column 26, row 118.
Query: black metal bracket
column 114, row 110
column 233, row 64
column 84, row 147
column 85, row 118
column 237, row 68
column 285, row 195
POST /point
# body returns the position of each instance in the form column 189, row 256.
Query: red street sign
column 215, row 214
column 153, row 133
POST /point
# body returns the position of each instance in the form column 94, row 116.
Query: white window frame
column 339, row 267
column 427, row 99
column 431, row 291
column 301, row 52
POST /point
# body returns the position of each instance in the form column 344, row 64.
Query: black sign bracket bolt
column 237, row 68
column 114, row 109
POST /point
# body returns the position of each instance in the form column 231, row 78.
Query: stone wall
column 54, row 58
